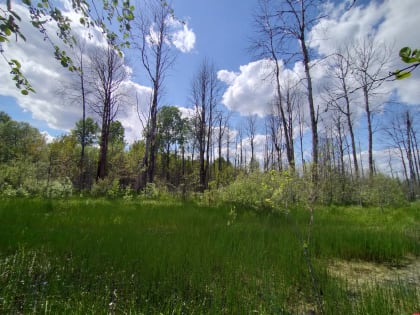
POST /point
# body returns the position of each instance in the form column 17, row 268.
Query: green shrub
column 150, row 191
column 106, row 187
column 271, row 191
column 60, row 188
column 381, row 191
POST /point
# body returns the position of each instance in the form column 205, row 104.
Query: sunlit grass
column 147, row 257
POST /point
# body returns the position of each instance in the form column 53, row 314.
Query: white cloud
column 180, row 35
column 184, row 39
column 186, row 112
column 344, row 26
column 389, row 22
column 250, row 91
column 48, row 138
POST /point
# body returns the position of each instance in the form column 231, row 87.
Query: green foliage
column 408, row 56
column 60, row 188
column 106, row 187
column 281, row 191
column 19, row 140
column 150, row 191
column 272, row 191
column 18, row 178
column 381, row 191
column 90, row 133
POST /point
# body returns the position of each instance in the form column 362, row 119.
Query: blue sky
column 222, row 30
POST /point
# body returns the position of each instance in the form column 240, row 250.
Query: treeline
column 29, row 166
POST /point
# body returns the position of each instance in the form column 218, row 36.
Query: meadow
column 98, row 256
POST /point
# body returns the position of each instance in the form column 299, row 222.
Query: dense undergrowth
column 97, row 256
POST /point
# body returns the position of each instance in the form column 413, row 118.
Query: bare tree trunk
column 156, row 57
column 108, row 74
column 411, row 183
column 370, row 131
column 369, row 63
column 204, row 95
column 251, row 130
column 312, row 112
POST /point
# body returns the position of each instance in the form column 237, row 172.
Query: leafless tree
column 107, row 74
column 251, row 130
column 402, row 136
column 370, row 61
column 269, row 44
column 222, row 120
column 276, row 135
column 340, row 72
column 77, row 92
column 151, row 35
column 204, row 95
column 296, row 19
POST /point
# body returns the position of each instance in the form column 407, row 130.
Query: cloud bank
column 251, row 91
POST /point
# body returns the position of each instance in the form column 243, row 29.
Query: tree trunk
column 370, row 131
column 312, row 112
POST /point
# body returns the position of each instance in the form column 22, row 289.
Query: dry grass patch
column 362, row 272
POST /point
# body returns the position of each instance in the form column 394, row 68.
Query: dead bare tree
column 370, row 62
column 204, row 95
column 251, row 130
column 296, row 18
column 340, row 73
column 107, row 74
column 268, row 43
column 401, row 135
column 151, row 35
column 76, row 92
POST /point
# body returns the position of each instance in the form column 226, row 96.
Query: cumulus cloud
column 250, row 91
column 387, row 22
column 183, row 38
column 180, row 35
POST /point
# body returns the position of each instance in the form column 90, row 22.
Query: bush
column 271, row 191
column 150, row 191
column 60, row 188
column 106, row 187
column 382, row 191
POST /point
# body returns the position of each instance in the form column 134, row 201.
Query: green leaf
column 405, row 52
column 416, row 54
column 409, row 59
column 24, row 92
column 402, row 75
column 17, row 63
column 7, row 31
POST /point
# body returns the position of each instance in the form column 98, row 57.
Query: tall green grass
column 101, row 256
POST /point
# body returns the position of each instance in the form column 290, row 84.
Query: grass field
column 147, row 257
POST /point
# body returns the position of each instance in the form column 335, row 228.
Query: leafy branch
column 44, row 11
column 410, row 57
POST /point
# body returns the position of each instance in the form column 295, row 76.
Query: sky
column 221, row 32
